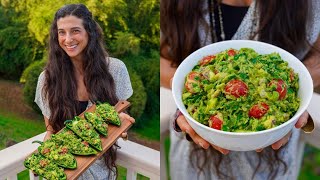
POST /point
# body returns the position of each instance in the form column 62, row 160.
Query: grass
column 150, row 129
column 122, row 172
column 17, row 129
column 311, row 164
column 167, row 148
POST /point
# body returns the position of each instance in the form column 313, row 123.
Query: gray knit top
column 241, row 164
column 118, row 70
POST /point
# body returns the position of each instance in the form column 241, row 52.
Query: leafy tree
column 140, row 18
column 18, row 48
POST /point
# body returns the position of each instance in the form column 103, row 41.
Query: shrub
column 17, row 51
column 139, row 98
column 147, row 66
column 30, row 77
column 125, row 43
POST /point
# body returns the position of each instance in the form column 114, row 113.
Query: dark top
column 82, row 106
column 232, row 17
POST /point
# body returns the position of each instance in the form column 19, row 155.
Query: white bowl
column 242, row 141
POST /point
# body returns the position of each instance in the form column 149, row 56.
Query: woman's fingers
column 259, row 150
column 123, row 116
column 124, row 136
column 223, row 151
column 47, row 136
column 185, row 127
column 277, row 145
column 303, row 119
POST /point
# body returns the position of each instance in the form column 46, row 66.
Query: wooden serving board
column 114, row 132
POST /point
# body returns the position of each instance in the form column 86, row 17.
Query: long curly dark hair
column 60, row 86
column 283, row 24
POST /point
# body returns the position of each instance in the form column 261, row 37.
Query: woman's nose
column 69, row 38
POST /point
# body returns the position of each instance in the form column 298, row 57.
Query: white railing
column 136, row 158
column 167, row 110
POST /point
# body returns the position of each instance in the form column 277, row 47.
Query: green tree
column 18, row 47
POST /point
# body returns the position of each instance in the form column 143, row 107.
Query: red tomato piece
column 206, row 60
column 281, row 87
column 85, row 143
column 232, row 52
column 258, row 110
column 46, row 150
column 215, row 122
column 192, row 80
column 43, row 163
column 64, row 150
column 236, row 88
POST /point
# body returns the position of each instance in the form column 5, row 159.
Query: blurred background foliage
column 131, row 29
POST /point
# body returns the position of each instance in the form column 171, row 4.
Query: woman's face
column 72, row 36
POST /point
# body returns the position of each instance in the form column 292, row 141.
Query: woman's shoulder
column 42, row 76
column 115, row 63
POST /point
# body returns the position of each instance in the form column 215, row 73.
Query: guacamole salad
column 241, row 91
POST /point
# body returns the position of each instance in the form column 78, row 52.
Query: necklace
column 214, row 36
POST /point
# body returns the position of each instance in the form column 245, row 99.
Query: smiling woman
column 79, row 73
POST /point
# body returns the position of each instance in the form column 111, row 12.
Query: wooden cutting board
column 114, row 132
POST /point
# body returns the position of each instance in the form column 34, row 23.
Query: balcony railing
column 137, row 159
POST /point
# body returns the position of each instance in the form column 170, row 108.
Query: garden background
column 132, row 31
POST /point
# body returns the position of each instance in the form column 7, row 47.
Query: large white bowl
column 244, row 141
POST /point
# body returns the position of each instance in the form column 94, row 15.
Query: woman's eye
column 76, row 31
column 61, row 33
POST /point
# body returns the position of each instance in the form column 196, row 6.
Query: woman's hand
column 299, row 124
column 185, row 127
column 124, row 116
column 47, row 136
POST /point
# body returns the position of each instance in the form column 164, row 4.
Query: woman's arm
column 49, row 129
column 166, row 72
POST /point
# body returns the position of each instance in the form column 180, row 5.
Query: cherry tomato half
column 193, row 80
column 281, row 87
column 258, row 110
column 215, row 122
column 206, row 60
column 236, row 88
column 232, row 52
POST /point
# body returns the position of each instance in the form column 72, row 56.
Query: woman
column 189, row 25
column 78, row 74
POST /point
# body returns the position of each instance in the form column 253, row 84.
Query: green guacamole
column 241, row 91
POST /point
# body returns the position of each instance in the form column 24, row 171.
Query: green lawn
column 17, row 129
column 150, row 129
